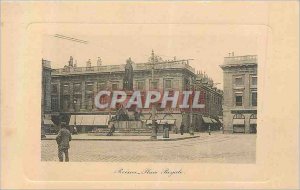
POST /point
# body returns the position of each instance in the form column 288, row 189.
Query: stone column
column 83, row 105
column 95, row 91
column 227, row 121
column 247, row 91
column 59, row 96
column 72, row 106
column 247, row 123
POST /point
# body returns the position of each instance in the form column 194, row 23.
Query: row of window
column 239, row 80
column 140, row 85
column 239, row 99
column 241, row 116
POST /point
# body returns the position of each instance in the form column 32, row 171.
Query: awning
column 89, row 120
column 207, row 120
column 252, row 121
column 78, row 120
column 167, row 121
column 144, row 118
column 48, row 122
column 238, row 122
column 101, row 119
column 148, row 122
column 214, row 121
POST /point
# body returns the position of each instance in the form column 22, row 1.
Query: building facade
column 212, row 98
column 73, row 88
column 46, row 86
column 240, row 94
column 46, row 121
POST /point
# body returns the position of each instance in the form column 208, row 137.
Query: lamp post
column 75, row 101
column 191, row 128
column 153, row 109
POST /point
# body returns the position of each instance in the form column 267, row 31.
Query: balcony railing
column 240, row 59
column 116, row 68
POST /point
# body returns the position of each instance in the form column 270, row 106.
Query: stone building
column 46, row 85
column 73, row 89
column 46, row 121
column 212, row 98
column 240, row 93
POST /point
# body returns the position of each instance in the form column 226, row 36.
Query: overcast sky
column 114, row 43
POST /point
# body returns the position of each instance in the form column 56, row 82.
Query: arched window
column 238, row 123
column 253, row 124
column 238, row 116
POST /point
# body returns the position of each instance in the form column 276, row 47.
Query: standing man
column 63, row 138
column 181, row 128
column 112, row 130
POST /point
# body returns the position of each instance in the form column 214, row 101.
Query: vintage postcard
column 155, row 95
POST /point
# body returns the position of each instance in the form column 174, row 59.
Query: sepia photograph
column 150, row 92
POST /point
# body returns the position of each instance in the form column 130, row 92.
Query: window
column 66, row 88
column 254, row 98
column 254, row 80
column 154, row 84
column 101, row 86
column 168, row 84
column 239, row 81
column 77, row 88
column 66, row 102
column 54, row 88
column 114, row 86
column 238, row 116
column 140, row 85
column 54, row 103
column 238, row 100
column 89, row 86
column 186, row 84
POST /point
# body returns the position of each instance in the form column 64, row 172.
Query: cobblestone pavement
column 226, row 148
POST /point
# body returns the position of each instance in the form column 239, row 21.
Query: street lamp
column 153, row 110
column 191, row 128
column 75, row 101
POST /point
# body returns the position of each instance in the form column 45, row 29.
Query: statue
column 99, row 62
column 71, row 61
column 122, row 115
column 89, row 63
column 128, row 76
column 137, row 115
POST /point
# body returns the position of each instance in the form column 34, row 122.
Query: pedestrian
column 176, row 129
column 181, row 128
column 75, row 131
column 166, row 130
column 209, row 129
column 63, row 138
column 112, row 130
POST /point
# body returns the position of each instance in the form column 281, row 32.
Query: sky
column 114, row 43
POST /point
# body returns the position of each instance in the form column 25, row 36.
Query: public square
column 215, row 148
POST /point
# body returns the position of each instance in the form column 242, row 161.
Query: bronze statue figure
column 128, row 76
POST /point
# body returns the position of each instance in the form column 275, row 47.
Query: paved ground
column 226, row 148
column 125, row 138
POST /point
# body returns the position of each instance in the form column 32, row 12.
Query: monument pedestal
column 129, row 124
